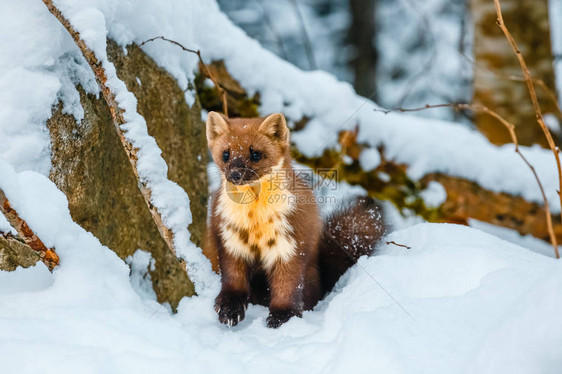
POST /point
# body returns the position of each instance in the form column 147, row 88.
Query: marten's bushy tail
column 350, row 232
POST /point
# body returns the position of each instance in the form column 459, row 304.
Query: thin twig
column 531, row 87
column 47, row 255
column 511, row 128
column 117, row 114
column 399, row 245
column 203, row 66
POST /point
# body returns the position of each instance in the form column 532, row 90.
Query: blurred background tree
column 408, row 53
column 528, row 21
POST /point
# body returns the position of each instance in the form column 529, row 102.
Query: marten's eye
column 255, row 156
column 225, row 155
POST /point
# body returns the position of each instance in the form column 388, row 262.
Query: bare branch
column 511, row 128
column 531, row 87
column 202, row 65
column 47, row 255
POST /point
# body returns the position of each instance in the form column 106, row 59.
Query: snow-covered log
column 463, row 198
column 47, row 255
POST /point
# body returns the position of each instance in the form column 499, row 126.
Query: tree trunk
column 361, row 36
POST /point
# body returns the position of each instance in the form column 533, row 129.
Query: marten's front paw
column 231, row 307
column 277, row 317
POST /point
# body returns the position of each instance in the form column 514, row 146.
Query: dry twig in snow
column 398, row 245
column 511, row 128
column 47, row 255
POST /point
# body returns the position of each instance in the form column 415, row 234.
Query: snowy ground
column 458, row 300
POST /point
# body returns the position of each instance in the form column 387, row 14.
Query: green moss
column 388, row 182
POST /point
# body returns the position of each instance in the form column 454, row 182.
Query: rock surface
column 92, row 169
column 14, row 253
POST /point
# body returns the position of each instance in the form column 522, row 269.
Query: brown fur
column 290, row 282
column 351, row 231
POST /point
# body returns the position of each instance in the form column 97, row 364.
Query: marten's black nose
column 235, row 176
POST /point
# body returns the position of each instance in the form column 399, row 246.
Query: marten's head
column 247, row 149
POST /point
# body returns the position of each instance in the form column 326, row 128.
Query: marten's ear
column 217, row 125
column 276, row 128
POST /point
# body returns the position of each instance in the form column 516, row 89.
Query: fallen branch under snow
column 47, row 255
column 511, row 128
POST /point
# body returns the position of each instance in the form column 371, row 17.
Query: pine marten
column 265, row 228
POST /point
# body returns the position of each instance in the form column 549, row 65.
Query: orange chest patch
column 256, row 225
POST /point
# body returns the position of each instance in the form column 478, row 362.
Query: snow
column 277, row 26
column 369, row 159
column 552, row 123
column 526, row 241
column 33, row 279
column 73, row 70
column 458, row 152
column 440, row 306
column 25, row 107
column 140, row 262
column 463, row 293
column 434, row 195
column 459, row 300
column 5, row 226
